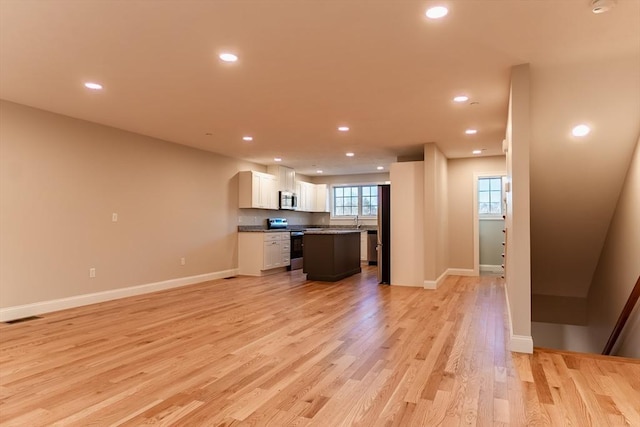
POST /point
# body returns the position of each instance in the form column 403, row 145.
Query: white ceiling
column 379, row 66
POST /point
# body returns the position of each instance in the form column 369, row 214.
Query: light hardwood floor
column 284, row 351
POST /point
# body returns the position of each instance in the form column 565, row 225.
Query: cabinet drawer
column 270, row 237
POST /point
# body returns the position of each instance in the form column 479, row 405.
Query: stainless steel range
column 296, row 241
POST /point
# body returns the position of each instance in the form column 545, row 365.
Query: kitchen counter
column 331, row 254
column 332, row 231
column 306, row 229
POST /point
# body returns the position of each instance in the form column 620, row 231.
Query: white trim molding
column 491, row 268
column 517, row 343
column 434, row 284
column 521, row 344
column 33, row 309
column 461, row 272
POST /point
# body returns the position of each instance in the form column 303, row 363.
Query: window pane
column 374, row 190
column 339, row 192
column 339, row 211
column 374, row 210
column 483, row 196
column 366, row 210
column 495, row 196
column 495, row 184
column 484, row 208
column 366, row 191
column 495, row 208
column 339, row 202
column 483, row 184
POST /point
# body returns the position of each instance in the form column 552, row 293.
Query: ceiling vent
column 602, row 6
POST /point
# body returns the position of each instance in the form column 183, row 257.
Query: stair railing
column 622, row 320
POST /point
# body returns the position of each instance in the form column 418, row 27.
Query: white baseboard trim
column 517, row 343
column 408, row 285
column 521, row 344
column 433, row 284
column 461, row 272
column 20, row 311
column 491, row 268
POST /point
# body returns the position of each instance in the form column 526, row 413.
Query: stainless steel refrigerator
column 384, row 238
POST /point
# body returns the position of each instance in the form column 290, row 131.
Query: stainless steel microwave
column 288, row 200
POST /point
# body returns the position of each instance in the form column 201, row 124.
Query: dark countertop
column 306, row 228
column 333, row 231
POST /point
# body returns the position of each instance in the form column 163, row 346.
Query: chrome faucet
column 356, row 221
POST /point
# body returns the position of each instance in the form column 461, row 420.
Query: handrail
column 624, row 316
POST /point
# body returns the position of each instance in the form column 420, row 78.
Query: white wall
column 60, row 181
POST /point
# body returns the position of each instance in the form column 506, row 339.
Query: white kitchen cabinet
column 364, row 242
column 285, row 178
column 322, row 198
column 263, row 253
column 257, row 190
column 311, row 197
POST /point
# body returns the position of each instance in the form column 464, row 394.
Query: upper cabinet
column 311, row 197
column 257, row 190
column 285, row 177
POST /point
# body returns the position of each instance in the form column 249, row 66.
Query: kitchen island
column 331, row 254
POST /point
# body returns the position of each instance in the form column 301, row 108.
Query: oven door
column 296, row 249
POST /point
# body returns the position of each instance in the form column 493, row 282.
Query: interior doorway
column 489, row 223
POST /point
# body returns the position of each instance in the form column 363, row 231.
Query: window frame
column 360, row 196
column 502, row 197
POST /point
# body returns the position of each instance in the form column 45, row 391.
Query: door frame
column 476, row 217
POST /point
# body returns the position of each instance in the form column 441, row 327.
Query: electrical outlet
column 183, row 261
column 114, row 217
column 92, row 273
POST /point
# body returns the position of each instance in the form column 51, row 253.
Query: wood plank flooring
column 280, row 351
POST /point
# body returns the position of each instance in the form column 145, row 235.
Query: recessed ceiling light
column 277, row 159
column 437, row 12
column 602, row 6
column 380, row 168
column 247, row 138
column 477, row 151
column 93, row 86
column 471, row 131
column 581, row 130
column 350, row 154
column 461, row 98
column 228, row 57
column 318, row 171
column 343, row 128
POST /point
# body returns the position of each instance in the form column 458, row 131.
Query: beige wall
column 407, row 223
column 461, row 174
column 60, row 181
column 436, row 219
column 517, row 224
column 618, row 269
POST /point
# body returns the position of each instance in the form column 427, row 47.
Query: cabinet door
column 267, row 194
column 300, row 190
column 256, row 194
column 321, row 198
column 272, row 255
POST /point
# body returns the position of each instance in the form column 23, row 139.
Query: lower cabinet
column 262, row 253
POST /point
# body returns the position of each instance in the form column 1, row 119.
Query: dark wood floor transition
column 284, row 351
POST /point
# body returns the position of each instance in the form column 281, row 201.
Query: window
column 361, row 200
column 490, row 196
